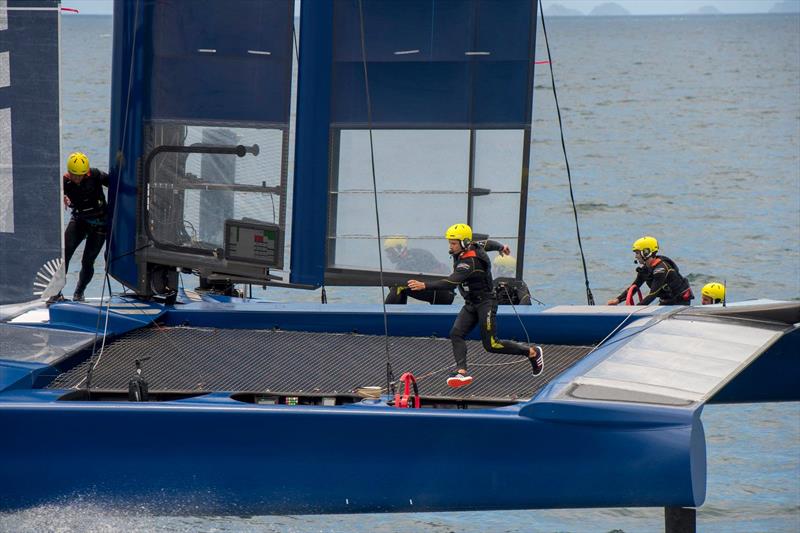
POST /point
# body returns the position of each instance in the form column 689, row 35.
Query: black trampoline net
column 199, row 360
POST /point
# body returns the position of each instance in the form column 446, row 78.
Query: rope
column 508, row 295
column 121, row 161
column 589, row 296
column 389, row 373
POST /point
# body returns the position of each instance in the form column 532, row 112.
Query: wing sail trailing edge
column 31, row 222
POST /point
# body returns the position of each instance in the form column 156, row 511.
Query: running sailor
column 472, row 274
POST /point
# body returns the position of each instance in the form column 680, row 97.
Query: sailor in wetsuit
column 415, row 260
column 661, row 275
column 509, row 289
column 83, row 193
column 472, row 275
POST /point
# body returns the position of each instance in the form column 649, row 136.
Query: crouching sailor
column 473, row 276
column 661, row 275
column 713, row 293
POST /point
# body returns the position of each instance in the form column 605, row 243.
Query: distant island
column 609, row 9
column 557, row 10
column 786, row 6
column 706, row 10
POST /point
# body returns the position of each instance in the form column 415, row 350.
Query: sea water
column 687, row 128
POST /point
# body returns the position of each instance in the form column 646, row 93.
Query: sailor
column 83, row 193
column 415, row 260
column 509, row 290
column 661, row 275
column 473, row 276
column 713, row 293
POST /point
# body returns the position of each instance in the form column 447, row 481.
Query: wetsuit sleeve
column 461, row 271
column 492, row 246
column 660, row 273
column 102, row 175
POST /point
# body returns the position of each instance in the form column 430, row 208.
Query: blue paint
column 125, row 142
column 310, row 208
column 81, row 317
column 779, row 367
column 266, row 457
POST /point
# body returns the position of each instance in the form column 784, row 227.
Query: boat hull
column 214, row 455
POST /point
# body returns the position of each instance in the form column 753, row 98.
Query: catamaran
column 408, row 115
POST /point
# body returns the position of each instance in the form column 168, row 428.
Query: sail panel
column 226, row 61
column 450, row 111
column 30, row 207
column 451, row 62
column 205, row 114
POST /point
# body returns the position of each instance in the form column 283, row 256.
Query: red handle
column 402, row 400
column 631, row 290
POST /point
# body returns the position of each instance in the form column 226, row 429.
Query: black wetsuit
column 418, row 260
column 89, row 211
column 473, row 276
column 512, row 291
column 664, row 280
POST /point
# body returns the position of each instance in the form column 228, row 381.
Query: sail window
column 201, row 180
column 424, row 187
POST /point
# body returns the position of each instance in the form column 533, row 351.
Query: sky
column 637, row 7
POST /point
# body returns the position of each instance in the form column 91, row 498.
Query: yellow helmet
column 647, row 245
column 715, row 291
column 459, row 232
column 78, row 164
column 396, row 242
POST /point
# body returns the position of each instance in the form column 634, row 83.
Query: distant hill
column 706, row 10
column 557, row 10
column 786, row 6
column 609, row 9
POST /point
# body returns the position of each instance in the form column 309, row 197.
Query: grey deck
column 191, row 360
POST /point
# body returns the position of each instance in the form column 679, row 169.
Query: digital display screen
column 251, row 242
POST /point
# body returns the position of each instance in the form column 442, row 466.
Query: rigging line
column 589, row 296
column 121, row 162
column 294, row 39
column 514, row 307
column 389, row 373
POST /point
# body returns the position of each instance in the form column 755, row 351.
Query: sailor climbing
column 661, row 275
column 473, row 276
column 713, row 293
column 83, row 193
column 509, row 290
column 415, row 260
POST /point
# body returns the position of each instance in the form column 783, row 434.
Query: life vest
column 478, row 286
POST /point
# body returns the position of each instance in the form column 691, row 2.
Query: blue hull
column 214, row 454
column 217, row 456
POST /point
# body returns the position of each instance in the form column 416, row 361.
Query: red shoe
column 457, row 380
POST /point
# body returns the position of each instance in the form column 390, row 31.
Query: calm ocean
column 687, row 128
